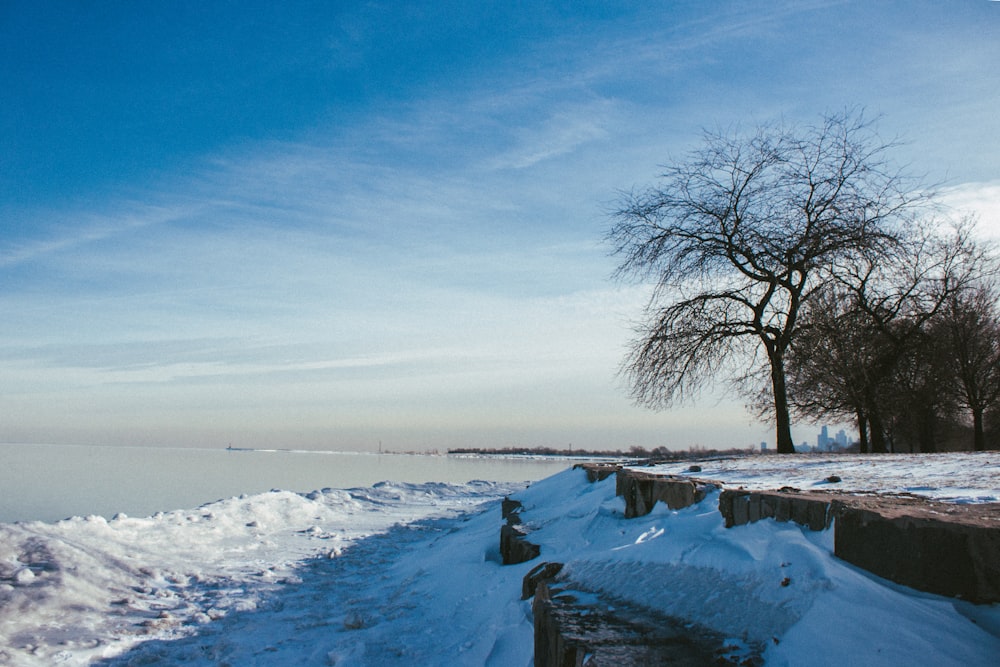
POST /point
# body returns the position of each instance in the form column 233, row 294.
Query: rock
column 509, row 510
column 354, row 621
column 812, row 510
column 538, row 574
column 941, row 548
column 642, row 490
column 936, row 547
column 694, row 469
column 515, row 547
column 578, row 629
column 24, row 576
column 598, row 472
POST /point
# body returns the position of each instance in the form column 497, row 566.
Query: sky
column 329, row 225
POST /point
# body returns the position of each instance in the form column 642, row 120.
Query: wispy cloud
column 70, row 230
column 559, row 134
column 979, row 200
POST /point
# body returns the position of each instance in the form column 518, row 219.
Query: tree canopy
column 881, row 343
column 738, row 237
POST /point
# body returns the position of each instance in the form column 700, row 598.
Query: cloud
column 981, row 200
column 68, row 231
column 559, row 134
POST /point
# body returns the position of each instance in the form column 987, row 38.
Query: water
column 52, row 482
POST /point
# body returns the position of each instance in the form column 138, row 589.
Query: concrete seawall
column 941, row 548
column 931, row 546
column 936, row 547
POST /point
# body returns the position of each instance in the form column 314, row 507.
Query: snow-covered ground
column 957, row 478
column 403, row 574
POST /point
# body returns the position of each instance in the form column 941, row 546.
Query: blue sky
column 325, row 225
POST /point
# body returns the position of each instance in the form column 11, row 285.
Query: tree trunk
column 928, row 433
column 783, row 422
column 877, row 433
column 862, row 433
column 978, row 434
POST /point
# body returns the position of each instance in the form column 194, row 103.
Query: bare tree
column 737, row 238
column 834, row 365
column 922, row 403
column 972, row 323
column 902, row 295
column 873, row 342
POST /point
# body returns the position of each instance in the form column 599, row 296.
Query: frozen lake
column 52, row 482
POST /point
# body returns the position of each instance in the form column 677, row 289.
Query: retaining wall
column 941, row 548
column 937, row 547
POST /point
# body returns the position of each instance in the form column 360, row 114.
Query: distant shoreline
column 657, row 454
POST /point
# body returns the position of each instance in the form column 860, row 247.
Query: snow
column 404, row 574
column 956, row 477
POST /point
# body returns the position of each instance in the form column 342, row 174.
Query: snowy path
column 245, row 576
column 369, row 606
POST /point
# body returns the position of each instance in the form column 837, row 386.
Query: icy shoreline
column 410, row 574
column 87, row 588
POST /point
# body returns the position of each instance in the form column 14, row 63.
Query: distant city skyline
column 825, row 442
column 325, row 225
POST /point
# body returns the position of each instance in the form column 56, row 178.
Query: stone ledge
column 510, row 511
column 538, row 574
column 810, row 509
column 578, row 629
column 936, row 547
column 940, row 548
column 642, row 491
column 514, row 545
column 932, row 546
column 598, row 472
